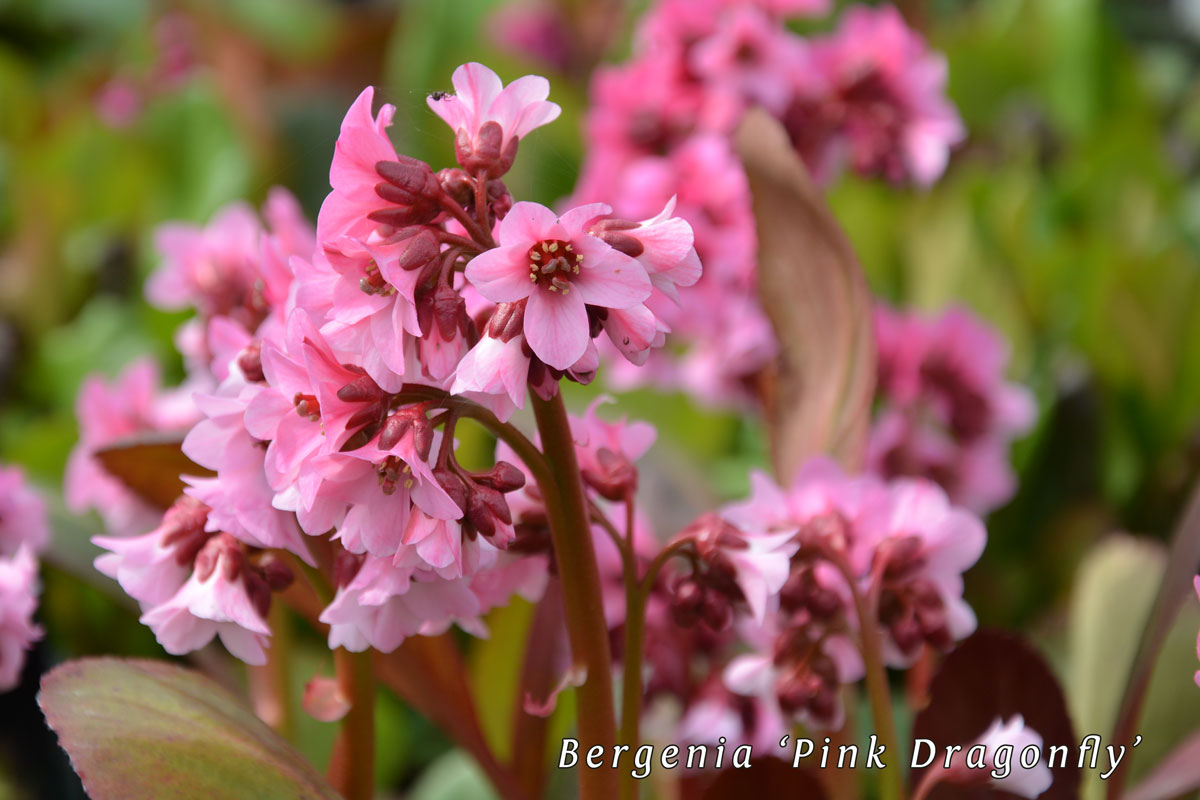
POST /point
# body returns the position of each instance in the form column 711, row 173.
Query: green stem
column 583, row 602
column 352, row 764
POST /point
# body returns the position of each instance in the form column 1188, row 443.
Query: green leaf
column 148, row 729
column 1110, row 613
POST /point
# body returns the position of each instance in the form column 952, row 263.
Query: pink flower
column 917, row 546
column 793, row 678
column 946, row 412
column 488, row 118
column 874, row 91
column 383, row 605
column 22, row 514
column 212, row 268
column 18, row 601
column 373, row 303
column 560, row 269
column 223, row 597
column 108, row 413
column 239, row 497
column 750, row 56
column 497, row 367
column 152, row 567
column 374, row 189
column 607, row 450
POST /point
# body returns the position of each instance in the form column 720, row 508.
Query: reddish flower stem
column 582, row 599
column 352, row 764
column 635, row 635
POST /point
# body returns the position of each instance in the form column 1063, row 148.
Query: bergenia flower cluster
column 328, row 370
column 944, row 410
column 789, row 568
column 24, row 535
column 869, row 96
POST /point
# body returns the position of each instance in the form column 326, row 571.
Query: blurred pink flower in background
column 944, row 409
column 18, row 601
column 22, row 513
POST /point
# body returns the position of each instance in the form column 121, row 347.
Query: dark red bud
column 503, row 477
column 453, row 485
column 275, row 572
column 250, row 363
column 393, row 430
column 362, row 390
column 447, row 309
column 346, row 566
column 422, row 437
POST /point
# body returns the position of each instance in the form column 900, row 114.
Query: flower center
column 374, row 282
column 394, row 472
column 552, row 262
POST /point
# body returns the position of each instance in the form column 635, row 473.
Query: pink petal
column 556, row 327
column 502, row 275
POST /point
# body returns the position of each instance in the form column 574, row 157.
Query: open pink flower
column 560, row 269
column 488, row 118
column 383, row 605
column 152, row 567
column 22, row 514
column 219, row 599
column 374, row 188
column 18, row 601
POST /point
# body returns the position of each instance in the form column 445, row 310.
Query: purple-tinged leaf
column 143, row 730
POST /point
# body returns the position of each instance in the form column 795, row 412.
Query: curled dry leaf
column 818, row 396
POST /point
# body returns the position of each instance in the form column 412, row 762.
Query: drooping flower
column 152, row 567
column 554, row 264
column 489, row 118
column 607, row 450
column 374, row 189
column 224, row 597
column 18, row 601
column 382, row 605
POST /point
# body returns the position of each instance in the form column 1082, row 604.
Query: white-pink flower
column 1004, row 743
column 221, row 599
column 489, row 118
column 560, row 269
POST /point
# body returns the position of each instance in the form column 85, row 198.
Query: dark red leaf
column 996, row 674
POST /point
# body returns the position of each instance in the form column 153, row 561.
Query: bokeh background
column 1070, row 220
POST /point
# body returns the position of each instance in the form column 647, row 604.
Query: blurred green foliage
column 1070, row 220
